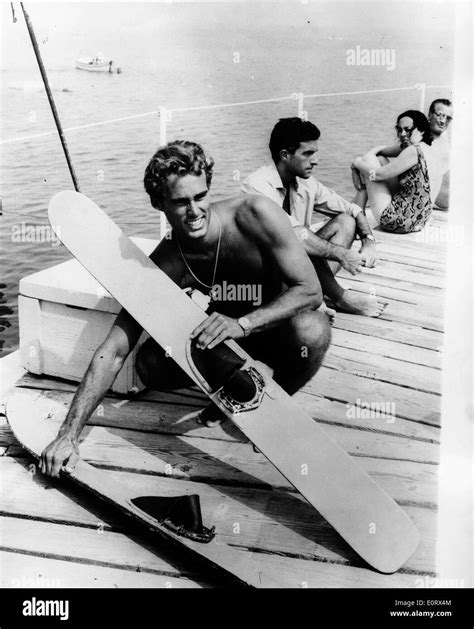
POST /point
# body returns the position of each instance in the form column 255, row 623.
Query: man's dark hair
column 441, row 101
column 420, row 122
column 175, row 158
column 288, row 133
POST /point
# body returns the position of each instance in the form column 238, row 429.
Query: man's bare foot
column 210, row 416
column 356, row 303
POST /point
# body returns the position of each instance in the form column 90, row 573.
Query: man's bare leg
column 305, row 341
column 340, row 230
column 345, row 300
column 298, row 348
column 157, row 370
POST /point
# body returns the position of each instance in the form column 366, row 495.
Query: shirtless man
column 242, row 241
column 288, row 180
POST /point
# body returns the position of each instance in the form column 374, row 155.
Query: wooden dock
column 56, row 535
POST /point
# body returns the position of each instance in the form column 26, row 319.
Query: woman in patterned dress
column 398, row 191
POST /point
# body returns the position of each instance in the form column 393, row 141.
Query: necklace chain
column 215, row 261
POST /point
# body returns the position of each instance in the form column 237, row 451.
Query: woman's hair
column 178, row 158
column 420, row 122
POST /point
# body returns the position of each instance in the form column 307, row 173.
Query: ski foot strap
column 221, row 368
column 180, row 514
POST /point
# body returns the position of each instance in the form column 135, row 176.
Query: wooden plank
column 391, row 282
column 270, row 521
column 386, row 347
column 388, row 292
column 384, row 368
column 30, row 571
column 406, row 314
column 389, row 459
column 20, row 570
column 345, row 387
column 79, row 544
column 141, row 416
column 333, row 412
column 314, row 574
column 234, row 463
column 413, row 263
column 399, row 333
column 185, row 397
column 438, row 256
column 400, row 465
column 427, row 275
column 413, row 242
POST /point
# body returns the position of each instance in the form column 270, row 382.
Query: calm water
column 183, row 56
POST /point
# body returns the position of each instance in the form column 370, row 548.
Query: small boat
column 94, row 64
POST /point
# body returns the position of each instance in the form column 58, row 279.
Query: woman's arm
column 406, row 160
column 393, row 150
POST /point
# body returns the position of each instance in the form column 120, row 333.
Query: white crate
column 64, row 315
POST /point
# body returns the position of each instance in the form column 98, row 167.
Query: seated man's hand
column 215, row 329
column 369, row 255
column 63, row 450
column 351, row 261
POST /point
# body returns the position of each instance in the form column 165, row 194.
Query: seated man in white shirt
column 440, row 116
column 288, row 181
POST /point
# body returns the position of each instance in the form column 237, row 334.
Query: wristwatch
column 244, row 324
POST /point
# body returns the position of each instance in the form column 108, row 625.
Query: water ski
column 330, row 480
column 176, row 517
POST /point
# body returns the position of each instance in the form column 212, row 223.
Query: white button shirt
column 306, row 196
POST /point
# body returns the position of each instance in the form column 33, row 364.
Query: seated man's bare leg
column 294, row 351
column 299, row 348
column 442, row 200
column 340, row 230
column 157, row 370
column 345, row 300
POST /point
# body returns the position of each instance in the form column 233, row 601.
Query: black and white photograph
column 236, row 306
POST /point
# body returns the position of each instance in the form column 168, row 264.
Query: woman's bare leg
column 379, row 192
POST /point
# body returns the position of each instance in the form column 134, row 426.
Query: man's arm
column 315, row 246
column 100, row 375
column 368, row 249
column 326, row 198
column 312, row 243
column 264, row 223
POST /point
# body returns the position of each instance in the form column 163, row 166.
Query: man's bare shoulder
column 166, row 257
column 257, row 214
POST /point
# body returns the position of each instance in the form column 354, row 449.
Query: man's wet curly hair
column 176, row 158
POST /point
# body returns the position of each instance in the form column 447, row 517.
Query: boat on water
column 94, row 64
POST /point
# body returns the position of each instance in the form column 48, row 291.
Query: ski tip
column 62, row 201
column 399, row 552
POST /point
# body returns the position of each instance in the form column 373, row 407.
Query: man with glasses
column 440, row 116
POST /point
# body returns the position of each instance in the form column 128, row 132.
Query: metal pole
column 163, row 113
column 50, row 96
column 422, row 88
column 301, row 112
